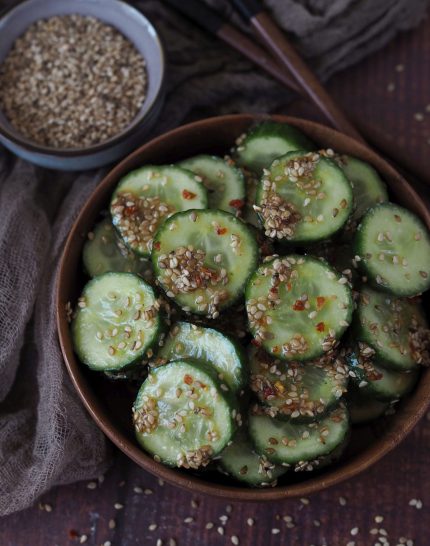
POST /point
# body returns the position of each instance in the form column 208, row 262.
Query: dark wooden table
column 379, row 507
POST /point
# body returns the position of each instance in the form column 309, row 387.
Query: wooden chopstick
column 211, row 21
column 280, row 47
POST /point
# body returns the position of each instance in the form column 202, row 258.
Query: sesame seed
column 275, row 531
column 354, row 531
column 235, row 540
column 118, row 506
column 220, row 530
column 250, row 522
column 91, row 485
column 419, row 116
column 152, row 527
column 112, row 524
column 209, row 525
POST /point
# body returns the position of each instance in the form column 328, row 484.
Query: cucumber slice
column 203, row 258
column 375, row 381
column 117, row 321
column 301, row 392
column 303, row 197
column 181, row 415
column 224, row 182
column 285, row 442
column 396, row 329
column 240, row 461
column 367, row 186
column 104, row 252
column 147, row 196
column 206, row 345
column 298, row 307
column 268, row 140
column 394, row 248
column 364, row 409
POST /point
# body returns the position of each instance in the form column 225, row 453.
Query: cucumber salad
column 261, row 304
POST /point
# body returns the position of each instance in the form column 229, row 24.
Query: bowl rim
column 131, row 129
column 349, row 468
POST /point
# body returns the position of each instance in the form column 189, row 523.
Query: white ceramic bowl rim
column 29, row 11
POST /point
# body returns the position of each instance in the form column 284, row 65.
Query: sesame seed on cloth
column 71, row 81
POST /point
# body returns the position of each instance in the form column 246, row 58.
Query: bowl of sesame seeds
column 81, row 83
column 109, row 402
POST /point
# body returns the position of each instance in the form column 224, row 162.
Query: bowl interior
column 128, row 20
column 109, row 403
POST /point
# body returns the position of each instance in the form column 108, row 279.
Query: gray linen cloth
column 46, row 436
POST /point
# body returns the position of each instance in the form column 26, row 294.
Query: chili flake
column 188, row 194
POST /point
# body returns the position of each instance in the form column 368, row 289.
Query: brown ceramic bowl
column 110, row 404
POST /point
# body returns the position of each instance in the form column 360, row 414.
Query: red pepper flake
column 237, row 203
column 320, row 301
column 188, row 194
column 157, row 245
column 188, row 379
column 299, row 305
column 221, row 231
column 73, row 534
column 289, row 286
column 320, row 327
column 129, row 211
column 268, row 391
column 276, row 349
column 256, row 343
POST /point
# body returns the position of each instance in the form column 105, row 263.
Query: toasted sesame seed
column 354, row 531
column 209, row 525
column 189, row 519
column 220, row 530
column 250, row 522
column 112, row 524
column 235, row 540
column 152, row 527
column 275, row 531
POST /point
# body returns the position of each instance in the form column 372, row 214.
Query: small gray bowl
column 134, row 26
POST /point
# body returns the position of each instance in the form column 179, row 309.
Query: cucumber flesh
column 298, row 307
column 268, row 140
column 395, row 328
column 394, row 250
column 304, row 197
column 285, row 442
column 104, row 251
column 117, row 321
column 241, row 462
column 181, row 415
column 367, row 186
column 206, row 345
column 301, row 392
column 223, row 181
column 203, row 258
column 147, row 196
column 375, row 381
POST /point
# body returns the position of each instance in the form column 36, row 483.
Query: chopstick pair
column 284, row 64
